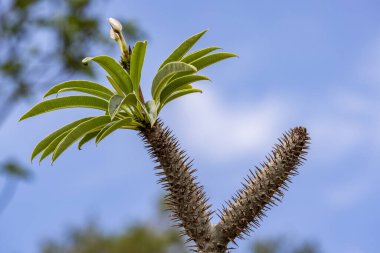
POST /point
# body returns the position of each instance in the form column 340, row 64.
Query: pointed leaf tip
column 210, row 59
column 115, row 70
column 83, row 86
column 86, row 60
column 66, row 102
column 182, row 49
column 78, row 132
column 48, row 142
column 164, row 74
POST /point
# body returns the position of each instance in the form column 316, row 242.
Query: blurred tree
column 138, row 239
column 147, row 239
column 12, row 173
column 42, row 42
column 39, row 49
column 281, row 245
column 153, row 237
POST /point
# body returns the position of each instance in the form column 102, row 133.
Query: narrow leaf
column 78, row 84
column 66, row 102
column 79, row 131
column 178, row 94
column 211, row 59
column 166, row 72
column 115, row 86
column 137, row 61
column 198, row 54
column 180, row 51
column 115, row 70
column 205, row 61
column 179, row 83
column 53, row 145
column 88, row 91
column 113, row 126
column 88, row 137
column 48, row 139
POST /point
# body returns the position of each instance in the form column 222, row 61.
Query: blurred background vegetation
column 29, row 64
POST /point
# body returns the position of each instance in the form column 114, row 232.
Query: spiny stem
column 264, row 188
column 185, row 197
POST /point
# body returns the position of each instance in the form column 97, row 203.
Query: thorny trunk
column 185, row 197
column 187, row 200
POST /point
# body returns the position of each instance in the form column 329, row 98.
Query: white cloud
column 227, row 131
column 223, row 130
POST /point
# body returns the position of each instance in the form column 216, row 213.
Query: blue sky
column 310, row 63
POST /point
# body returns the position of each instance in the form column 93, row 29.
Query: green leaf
column 77, row 85
column 180, row 51
column 137, row 61
column 48, row 139
column 151, row 108
column 88, row 137
column 66, row 102
column 205, row 61
column 113, row 126
column 79, row 131
column 88, row 91
column 166, row 73
column 115, row 70
column 53, row 145
column 198, row 54
column 115, row 86
column 117, row 101
column 178, row 94
column 114, row 105
column 211, row 59
column 130, row 99
column 179, row 83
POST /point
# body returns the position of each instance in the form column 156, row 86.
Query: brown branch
column 264, row 188
column 185, row 197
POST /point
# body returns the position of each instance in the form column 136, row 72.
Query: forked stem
column 188, row 202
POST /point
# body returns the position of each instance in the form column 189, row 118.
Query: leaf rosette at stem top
column 123, row 106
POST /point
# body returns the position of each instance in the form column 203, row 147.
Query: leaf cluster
column 123, row 106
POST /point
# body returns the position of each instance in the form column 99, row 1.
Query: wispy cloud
column 223, row 130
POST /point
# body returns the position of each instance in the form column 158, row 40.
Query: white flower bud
column 115, row 24
column 114, row 35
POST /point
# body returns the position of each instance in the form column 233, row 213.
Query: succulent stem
column 263, row 189
column 185, row 197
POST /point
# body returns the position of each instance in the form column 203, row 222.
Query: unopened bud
column 114, row 35
column 115, row 24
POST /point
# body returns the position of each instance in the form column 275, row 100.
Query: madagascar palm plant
column 124, row 107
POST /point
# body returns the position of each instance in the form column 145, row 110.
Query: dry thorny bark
column 187, row 199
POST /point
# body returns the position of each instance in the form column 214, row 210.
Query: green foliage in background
column 38, row 49
column 146, row 239
column 283, row 245
column 138, row 239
